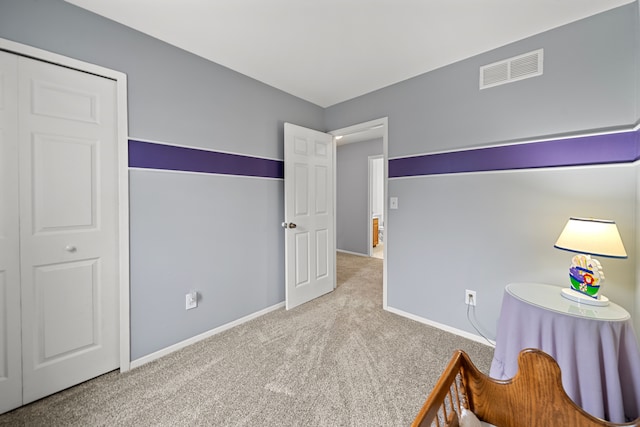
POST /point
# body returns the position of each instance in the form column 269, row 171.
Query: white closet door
column 68, row 227
column 10, row 345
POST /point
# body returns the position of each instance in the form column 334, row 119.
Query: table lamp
column 588, row 236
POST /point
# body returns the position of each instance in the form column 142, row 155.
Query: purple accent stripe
column 150, row 155
column 588, row 150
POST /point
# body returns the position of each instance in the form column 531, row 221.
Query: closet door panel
column 64, row 183
column 66, row 296
column 10, row 341
column 68, row 227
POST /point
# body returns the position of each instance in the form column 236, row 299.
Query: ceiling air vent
column 512, row 69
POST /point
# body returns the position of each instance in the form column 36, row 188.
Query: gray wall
column 218, row 234
column 352, row 191
column 588, row 84
column 482, row 231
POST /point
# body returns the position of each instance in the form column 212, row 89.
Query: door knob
column 288, row 225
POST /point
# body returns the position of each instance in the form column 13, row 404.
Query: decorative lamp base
column 576, row 296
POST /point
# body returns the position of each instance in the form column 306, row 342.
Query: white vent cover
column 511, row 70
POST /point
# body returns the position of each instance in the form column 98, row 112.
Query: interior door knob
column 288, row 225
column 292, row 225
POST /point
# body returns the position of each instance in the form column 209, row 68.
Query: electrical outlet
column 191, row 300
column 469, row 297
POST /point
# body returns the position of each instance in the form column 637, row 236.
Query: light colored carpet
column 339, row 360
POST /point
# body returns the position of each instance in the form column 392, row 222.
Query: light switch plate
column 393, row 203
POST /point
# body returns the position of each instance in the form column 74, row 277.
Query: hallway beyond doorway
column 378, row 251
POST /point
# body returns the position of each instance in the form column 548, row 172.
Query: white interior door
column 309, row 214
column 68, row 226
column 10, row 342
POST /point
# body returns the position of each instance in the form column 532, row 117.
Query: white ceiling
column 329, row 51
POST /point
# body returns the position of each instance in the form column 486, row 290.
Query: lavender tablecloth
column 599, row 359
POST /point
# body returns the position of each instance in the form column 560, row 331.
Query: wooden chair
column 533, row 397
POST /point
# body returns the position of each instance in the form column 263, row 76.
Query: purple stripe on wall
column 589, row 150
column 149, row 155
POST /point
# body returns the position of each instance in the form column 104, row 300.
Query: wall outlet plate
column 191, row 300
column 469, row 297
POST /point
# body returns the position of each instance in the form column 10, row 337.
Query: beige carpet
column 339, row 360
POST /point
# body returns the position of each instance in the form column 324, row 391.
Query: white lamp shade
column 592, row 236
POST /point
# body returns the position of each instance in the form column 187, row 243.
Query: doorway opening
column 362, row 132
column 376, row 206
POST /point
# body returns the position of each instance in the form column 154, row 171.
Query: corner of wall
column 637, row 61
column 636, row 315
column 637, row 207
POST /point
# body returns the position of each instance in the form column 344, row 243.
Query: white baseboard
column 352, row 253
column 455, row 331
column 175, row 347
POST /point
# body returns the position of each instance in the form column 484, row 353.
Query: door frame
column 122, row 171
column 362, row 127
column 370, row 161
